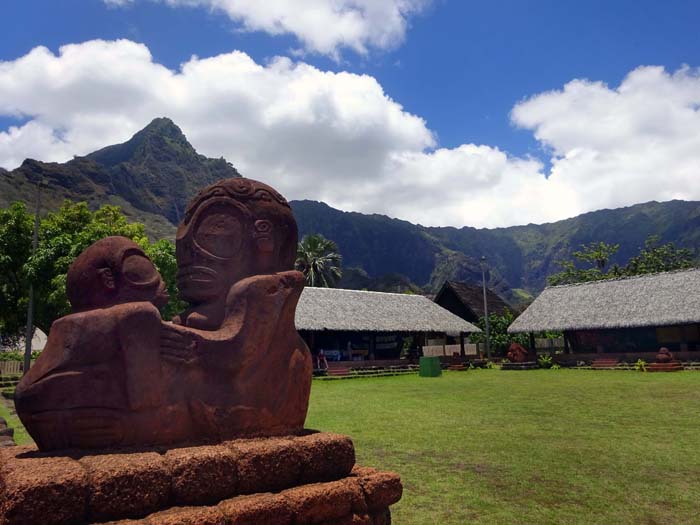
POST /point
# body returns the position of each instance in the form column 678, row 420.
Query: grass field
column 21, row 437
column 543, row 446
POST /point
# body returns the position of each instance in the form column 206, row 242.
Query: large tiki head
column 233, row 229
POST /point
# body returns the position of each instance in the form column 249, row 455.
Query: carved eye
column 219, row 230
column 137, row 269
column 263, row 226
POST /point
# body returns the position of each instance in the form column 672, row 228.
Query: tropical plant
column 545, row 361
column 654, row 257
column 319, row 260
column 63, row 235
column 499, row 338
column 596, row 256
column 640, row 365
column 16, row 226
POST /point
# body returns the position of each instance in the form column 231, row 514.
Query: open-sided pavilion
column 354, row 325
column 626, row 318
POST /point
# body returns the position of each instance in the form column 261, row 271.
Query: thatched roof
column 471, row 296
column 354, row 310
column 660, row 299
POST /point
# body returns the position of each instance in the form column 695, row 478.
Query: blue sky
column 462, row 67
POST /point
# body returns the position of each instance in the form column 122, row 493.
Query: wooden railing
column 8, row 368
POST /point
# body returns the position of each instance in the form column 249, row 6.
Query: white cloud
column 619, row 146
column 339, row 138
column 321, row 26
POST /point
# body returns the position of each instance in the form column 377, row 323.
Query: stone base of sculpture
column 310, row 478
column 671, row 366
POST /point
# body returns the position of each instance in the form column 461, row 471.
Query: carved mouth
column 198, row 275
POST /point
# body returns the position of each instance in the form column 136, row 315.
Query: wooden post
column 29, row 332
column 462, row 352
column 532, row 342
column 372, row 345
column 567, row 347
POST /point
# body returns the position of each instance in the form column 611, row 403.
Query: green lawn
column 543, row 446
column 21, row 437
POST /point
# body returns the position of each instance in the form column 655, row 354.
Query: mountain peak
column 164, row 127
column 161, row 138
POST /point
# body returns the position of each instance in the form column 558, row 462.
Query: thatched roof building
column 353, row 310
column 655, row 300
column 467, row 300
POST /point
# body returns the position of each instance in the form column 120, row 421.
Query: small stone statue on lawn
column 664, row 355
column 517, row 353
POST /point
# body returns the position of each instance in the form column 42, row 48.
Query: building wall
column 685, row 338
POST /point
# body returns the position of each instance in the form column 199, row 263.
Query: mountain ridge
column 155, row 173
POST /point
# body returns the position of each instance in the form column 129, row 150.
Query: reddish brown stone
column 36, row 489
column 201, row 475
column 517, row 353
column 359, row 470
column 126, row 485
column 664, row 355
column 188, row 516
column 123, row 522
column 114, row 374
column 381, row 489
column 319, row 502
column 327, row 457
column 266, row 464
column 351, row 519
column 259, row 509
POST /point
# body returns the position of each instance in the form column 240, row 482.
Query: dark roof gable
column 471, row 296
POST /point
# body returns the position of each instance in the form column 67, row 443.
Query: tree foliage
column 656, row 257
column 591, row 262
column 319, row 260
column 499, row 338
column 16, row 227
column 63, row 235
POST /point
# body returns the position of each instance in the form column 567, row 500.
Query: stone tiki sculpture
column 114, row 374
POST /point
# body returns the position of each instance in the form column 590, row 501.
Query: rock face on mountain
column 151, row 176
column 157, row 171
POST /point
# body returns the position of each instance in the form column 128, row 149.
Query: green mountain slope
column 154, row 174
column 521, row 257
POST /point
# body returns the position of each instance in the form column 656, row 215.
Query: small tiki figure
column 517, row 353
column 664, row 355
column 101, row 364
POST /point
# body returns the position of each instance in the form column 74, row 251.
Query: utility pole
column 30, row 308
column 486, row 306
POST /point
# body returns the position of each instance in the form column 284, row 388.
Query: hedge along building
column 352, row 325
column 626, row 318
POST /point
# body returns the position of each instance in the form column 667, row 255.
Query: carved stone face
column 114, row 270
column 214, row 249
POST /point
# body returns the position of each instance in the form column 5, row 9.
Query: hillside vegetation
column 154, row 174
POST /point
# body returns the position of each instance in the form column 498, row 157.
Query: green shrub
column 545, row 361
column 640, row 365
column 17, row 355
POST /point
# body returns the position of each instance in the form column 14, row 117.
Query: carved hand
column 178, row 344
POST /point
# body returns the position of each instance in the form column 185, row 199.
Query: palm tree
column 318, row 259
